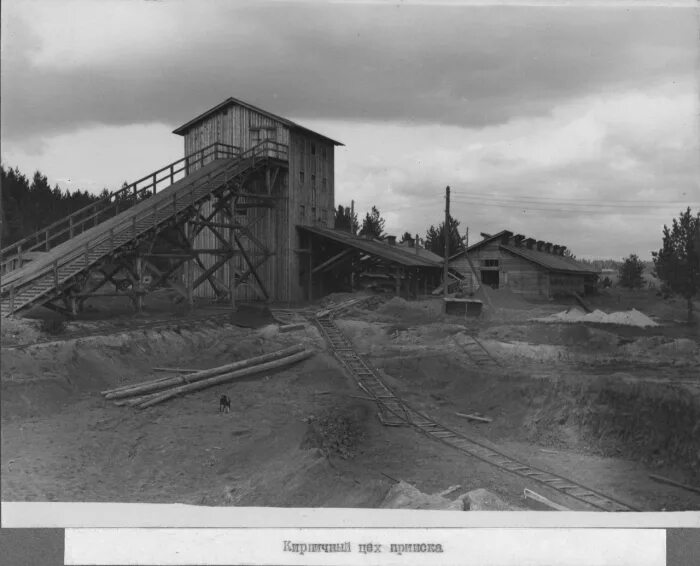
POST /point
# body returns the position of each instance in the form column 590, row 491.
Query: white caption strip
column 367, row 547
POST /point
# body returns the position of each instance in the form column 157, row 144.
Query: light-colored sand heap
column 628, row 318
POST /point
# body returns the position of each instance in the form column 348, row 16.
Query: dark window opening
column 313, row 149
column 301, row 177
column 490, row 278
column 490, row 263
column 324, row 185
column 324, row 153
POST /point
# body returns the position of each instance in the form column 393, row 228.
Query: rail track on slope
column 393, row 411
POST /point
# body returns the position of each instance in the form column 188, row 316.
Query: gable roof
column 396, row 254
column 230, row 101
column 486, row 240
column 552, row 262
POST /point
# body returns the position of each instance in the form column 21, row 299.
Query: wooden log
column 529, row 494
column 662, row 479
column 155, row 385
column 135, row 400
column 131, row 386
column 475, row 418
column 292, row 327
column 219, row 379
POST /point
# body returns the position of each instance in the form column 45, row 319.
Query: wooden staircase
column 46, row 278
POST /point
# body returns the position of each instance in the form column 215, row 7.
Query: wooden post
column 19, row 255
column 397, row 276
column 189, row 275
column 138, row 290
column 72, row 305
column 446, row 233
column 55, row 273
column 311, row 265
column 12, row 298
column 70, row 225
column 155, row 183
column 232, row 259
column 47, row 240
column 172, row 173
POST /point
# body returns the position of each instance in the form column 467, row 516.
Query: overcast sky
column 576, row 125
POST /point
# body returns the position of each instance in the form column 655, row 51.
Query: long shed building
column 524, row 265
column 302, row 182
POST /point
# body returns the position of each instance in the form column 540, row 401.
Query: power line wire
column 574, row 205
column 571, row 200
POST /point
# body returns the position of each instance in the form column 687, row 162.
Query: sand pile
column 403, row 495
column 627, row 318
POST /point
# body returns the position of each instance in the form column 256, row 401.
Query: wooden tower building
column 301, row 180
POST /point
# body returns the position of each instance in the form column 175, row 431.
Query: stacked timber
column 149, row 393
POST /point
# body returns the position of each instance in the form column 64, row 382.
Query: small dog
column 224, row 404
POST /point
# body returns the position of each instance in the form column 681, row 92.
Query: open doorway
column 490, row 277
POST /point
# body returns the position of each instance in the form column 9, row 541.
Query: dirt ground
column 603, row 405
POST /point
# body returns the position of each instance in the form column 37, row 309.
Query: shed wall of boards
column 306, row 189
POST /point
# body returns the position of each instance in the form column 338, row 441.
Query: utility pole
column 446, row 233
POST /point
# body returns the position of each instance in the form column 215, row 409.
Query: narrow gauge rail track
column 394, row 411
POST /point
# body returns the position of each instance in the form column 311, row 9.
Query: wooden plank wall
column 316, row 168
column 310, row 154
column 519, row 275
column 232, row 126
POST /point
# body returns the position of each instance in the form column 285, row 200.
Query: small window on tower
column 302, row 212
column 324, row 153
column 313, row 148
column 324, row 185
column 301, row 177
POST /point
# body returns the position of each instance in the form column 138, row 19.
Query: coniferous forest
column 31, row 204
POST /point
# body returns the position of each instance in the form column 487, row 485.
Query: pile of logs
column 149, row 393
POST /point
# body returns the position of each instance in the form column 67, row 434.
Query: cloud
column 69, row 65
column 563, row 104
column 558, row 177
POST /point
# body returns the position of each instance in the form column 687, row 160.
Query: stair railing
column 111, row 205
column 267, row 149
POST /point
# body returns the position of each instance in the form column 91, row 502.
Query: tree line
column 372, row 226
column 676, row 264
column 30, row 205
